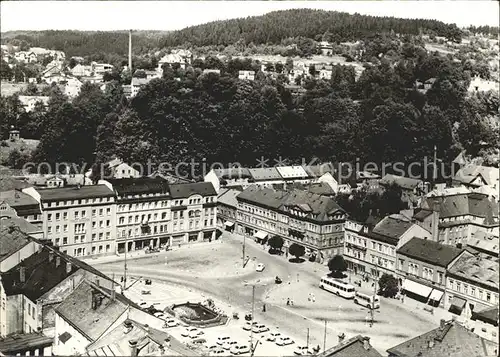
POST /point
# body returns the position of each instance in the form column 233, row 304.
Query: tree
column 5, row 70
column 297, row 250
column 337, row 266
column 388, row 286
column 16, row 159
column 276, row 243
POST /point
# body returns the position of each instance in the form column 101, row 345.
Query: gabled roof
column 41, row 274
column 319, row 170
column 403, row 182
column 390, row 229
column 471, row 171
column 319, row 188
column 91, row 322
column 11, row 240
column 23, row 203
column 291, row 172
column 228, row 197
column 488, row 315
column 184, row 190
column 232, row 173
column 450, row 340
column 357, row 346
column 430, row 252
column 263, row 196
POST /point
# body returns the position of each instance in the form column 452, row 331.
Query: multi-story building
column 30, row 290
column 78, row 220
column 422, row 264
column 459, row 216
column 142, row 212
column 227, row 209
column 371, row 250
column 194, row 210
column 309, row 219
column 472, row 283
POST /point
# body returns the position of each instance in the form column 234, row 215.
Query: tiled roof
column 74, row 193
column 228, row 197
column 11, row 240
column 403, row 182
column 422, row 214
column 480, row 268
column 390, row 229
column 23, row 225
column 13, row 344
column 320, row 208
column 484, row 242
column 142, row 185
column 77, row 310
column 451, row 340
column 319, row 188
column 41, row 275
column 357, row 346
column 149, row 342
column 470, row 172
column 319, row 170
column 265, row 173
column 429, row 251
column 23, row 203
column 184, row 190
column 475, row 204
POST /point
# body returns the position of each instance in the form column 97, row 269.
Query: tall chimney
column 366, row 343
column 127, row 326
column 130, row 51
column 442, row 324
column 58, row 261
column 435, row 219
column 132, row 344
column 68, row 267
column 22, row 274
column 51, row 256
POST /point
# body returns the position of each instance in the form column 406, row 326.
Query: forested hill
column 86, row 43
column 272, row 28
column 276, row 26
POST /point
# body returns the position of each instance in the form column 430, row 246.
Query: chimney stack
column 132, row 344
column 435, row 219
column 68, row 267
column 22, row 274
column 127, row 326
column 51, row 256
column 341, row 338
column 58, row 261
column 366, row 343
column 431, row 344
column 442, row 324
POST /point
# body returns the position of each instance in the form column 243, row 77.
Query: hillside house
column 246, row 75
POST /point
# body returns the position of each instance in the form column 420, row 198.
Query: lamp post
column 243, row 253
column 324, row 339
column 251, row 326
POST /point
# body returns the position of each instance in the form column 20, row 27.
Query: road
column 393, row 324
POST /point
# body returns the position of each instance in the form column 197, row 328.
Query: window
column 65, row 215
column 100, row 236
column 49, row 230
column 58, row 216
column 65, row 240
column 100, row 212
column 108, row 235
column 108, row 223
column 108, row 211
column 93, row 213
column 58, row 229
column 94, row 235
column 77, row 214
column 49, row 217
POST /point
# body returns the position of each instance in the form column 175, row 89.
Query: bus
column 370, row 301
column 337, row 287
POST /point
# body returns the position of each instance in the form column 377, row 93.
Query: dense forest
column 274, row 27
column 188, row 115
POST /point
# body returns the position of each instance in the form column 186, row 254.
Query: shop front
column 229, row 226
column 260, row 236
column 416, row 291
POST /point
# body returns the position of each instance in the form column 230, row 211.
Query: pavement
column 215, row 270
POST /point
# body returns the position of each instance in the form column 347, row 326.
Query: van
column 222, row 339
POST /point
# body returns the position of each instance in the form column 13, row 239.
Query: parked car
column 195, row 334
column 240, row 349
column 159, row 315
column 222, row 339
column 260, row 267
column 284, row 341
column 217, row 352
column 248, row 325
column 229, row 344
column 260, row 328
column 188, row 331
column 212, row 346
column 171, row 323
column 303, row 351
column 273, row 336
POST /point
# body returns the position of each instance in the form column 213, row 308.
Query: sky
column 173, row 15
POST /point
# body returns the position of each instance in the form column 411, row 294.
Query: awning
column 260, row 235
column 417, row 288
column 228, row 224
column 436, row 295
column 457, row 304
